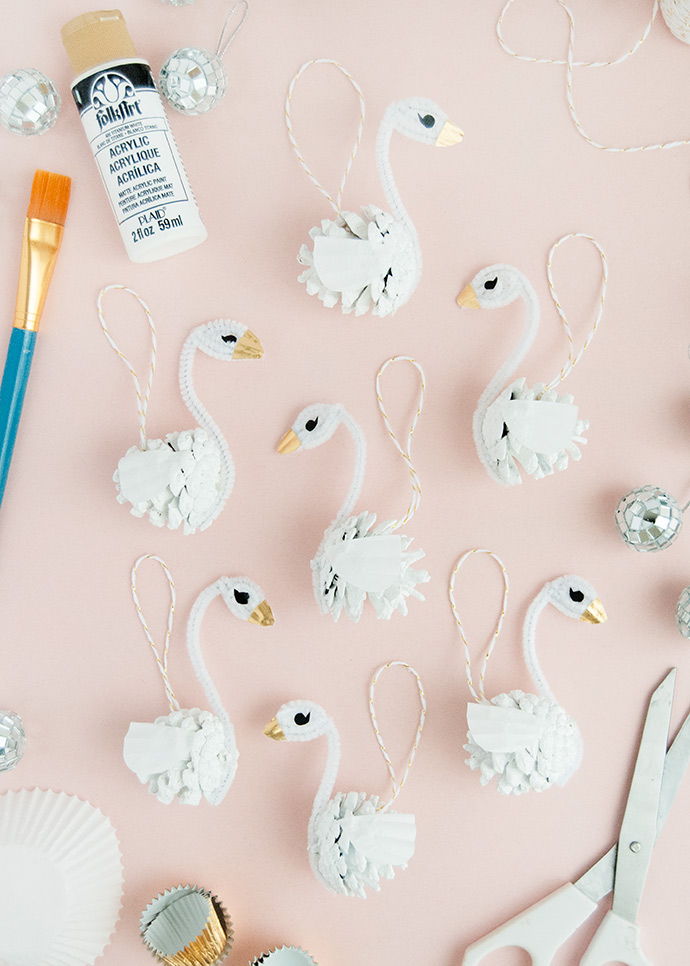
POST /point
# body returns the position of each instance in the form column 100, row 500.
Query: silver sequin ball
column 12, row 740
column 683, row 613
column 648, row 518
column 192, row 80
column 29, row 102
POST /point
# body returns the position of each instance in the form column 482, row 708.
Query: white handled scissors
column 546, row 925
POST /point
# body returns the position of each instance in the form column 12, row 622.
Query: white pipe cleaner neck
column 204, row 419
column 328, row 778
column 360, row 465
column 194, row 648
column 529, row 632
column 390, row 190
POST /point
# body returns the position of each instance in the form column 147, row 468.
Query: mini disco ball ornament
column 193, row 80
column 683, row 613
column 29, row 102
column 12, row 740
column 648, row 519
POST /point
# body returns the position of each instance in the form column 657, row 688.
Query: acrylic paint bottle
column 131, row 140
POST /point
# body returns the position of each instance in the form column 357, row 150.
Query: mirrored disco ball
column 648, row 518
column 192, row 80
column 683, row 613
column 29, row 102
column 12, row 740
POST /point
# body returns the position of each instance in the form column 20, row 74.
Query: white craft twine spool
column 142, row 400
column 161, row 660
column 405, row 453
column 397, row 785
column 481, row 696
column 574, row 359
column 335, row 204
column 675, row 13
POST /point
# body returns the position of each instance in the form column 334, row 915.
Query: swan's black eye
column 576, row 595
column 241, row 596
column 428, row 120
column 492, row 283
column 311, row 424
column 229, row 338
column 302, row 719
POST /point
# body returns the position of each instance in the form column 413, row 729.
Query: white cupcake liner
column 61, row 882
column 285, row 956
column 186, row 926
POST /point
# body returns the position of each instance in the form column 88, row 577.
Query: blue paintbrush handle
column 14, row 380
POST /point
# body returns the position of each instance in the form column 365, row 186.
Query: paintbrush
column 43, row 229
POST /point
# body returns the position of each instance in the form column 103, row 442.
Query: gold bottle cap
column 95, row 38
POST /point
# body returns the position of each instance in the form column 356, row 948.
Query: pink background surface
column 74, row 660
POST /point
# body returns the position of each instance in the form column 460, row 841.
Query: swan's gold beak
column 262, row 615
column 450, row 134
column 468, row 298
column 595, row 613
column 289, row 443
column 273, row 730
column 248, row 347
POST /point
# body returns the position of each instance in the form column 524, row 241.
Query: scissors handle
column 617, row 940
column 539, row 930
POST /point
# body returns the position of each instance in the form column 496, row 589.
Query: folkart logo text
column 114, row 99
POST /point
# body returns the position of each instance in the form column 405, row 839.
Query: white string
column 142, row 402
column 578, row 63
column 574, row 359
column 288, row 121
column 162, row 663
column 405, row 453
column 397, row 786
column 221, row 53
column 499, row 624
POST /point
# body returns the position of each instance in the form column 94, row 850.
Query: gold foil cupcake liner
column 285, row 956
column 186, row 926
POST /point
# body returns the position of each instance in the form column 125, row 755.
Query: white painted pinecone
column 335, row 595
column 206, row 771
column 551, row 761
column 191, row 498
column 386, row 293
column 504, row 453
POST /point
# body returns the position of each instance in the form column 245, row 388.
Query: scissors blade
column 638, row 828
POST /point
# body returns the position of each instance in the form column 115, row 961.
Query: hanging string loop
column 161, row 659
column 481, row 696
column 221, row 53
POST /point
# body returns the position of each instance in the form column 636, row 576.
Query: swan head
column 226, row 339
column 314, row 426
column 246, row 600
column 299, row 721
column 576, row 598
column 422, row 120
column 493, row 287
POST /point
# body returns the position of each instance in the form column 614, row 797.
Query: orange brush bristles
column 49, row 197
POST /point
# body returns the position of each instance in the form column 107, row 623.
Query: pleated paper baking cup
column 187, row 926
column 60, row 879
column 285, row 956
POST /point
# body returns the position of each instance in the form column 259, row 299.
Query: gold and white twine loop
column 142, row 400
column 405, row 453
column 397, row 785
column 481, row 696
column 335, row 204
column 572, row 358
column 161, row 661
column 221, row 53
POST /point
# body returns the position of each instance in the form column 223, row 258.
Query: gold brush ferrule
column 40, row 247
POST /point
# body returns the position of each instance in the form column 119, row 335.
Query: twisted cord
column 161, row 662
column 221, row 53
column 397, row 786
column 142, row 402
column 405, row 453
column 288, row 121
column 573, row 359
column 499, row 624
column 577, row 63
